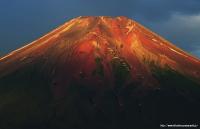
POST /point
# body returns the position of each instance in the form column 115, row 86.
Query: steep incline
column 114, row 69
column 118, row 35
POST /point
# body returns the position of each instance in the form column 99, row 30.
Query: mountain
column 99, row 73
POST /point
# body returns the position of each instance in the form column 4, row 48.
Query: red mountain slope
column 100, row 57
column 105, row 37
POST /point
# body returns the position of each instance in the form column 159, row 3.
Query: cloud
column 196, row 52
column 182, row 30
column 158, row 10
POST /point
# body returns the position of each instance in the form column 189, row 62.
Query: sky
column 22, row 21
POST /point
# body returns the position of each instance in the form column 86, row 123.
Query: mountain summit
column 99, row 73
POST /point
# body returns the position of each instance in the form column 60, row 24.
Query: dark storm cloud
column 22, row 21
column 157, row 10
column 183, row 30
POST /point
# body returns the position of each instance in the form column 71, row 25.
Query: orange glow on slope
column 108, row 38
